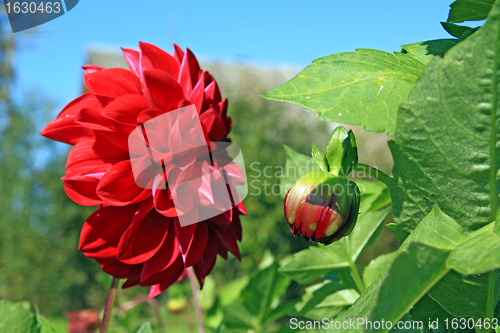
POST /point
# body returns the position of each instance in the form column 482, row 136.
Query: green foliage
column 341, row 152
column 17, row 317
column 449, row 156
column 259, row 301
column 145, row 328
column 469, row 10
column 480, row 253
column 445, row 183
column 361, row 88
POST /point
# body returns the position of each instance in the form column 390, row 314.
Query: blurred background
column 249, row 47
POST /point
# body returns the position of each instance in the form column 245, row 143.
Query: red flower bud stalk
column 323, row 205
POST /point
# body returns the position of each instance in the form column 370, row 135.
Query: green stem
column 371, row 172
column 354, row 272
column 109, row 305
column 490, row 304
column 196, row 300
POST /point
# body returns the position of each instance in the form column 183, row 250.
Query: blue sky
column 264, row 32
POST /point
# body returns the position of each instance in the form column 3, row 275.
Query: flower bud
column 322, row 207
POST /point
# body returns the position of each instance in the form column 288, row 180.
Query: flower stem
column 109, row 305
column 354, row 271
column 371, row 171
column 196, row 300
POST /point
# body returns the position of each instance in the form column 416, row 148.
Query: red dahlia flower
column 135, row 234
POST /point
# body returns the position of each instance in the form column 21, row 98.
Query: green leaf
column 237, row 316
column 465, row 296
column 427, row 309
column 296, row 166
column 469, row 10
column 422, row 255
column 390, row 298
column 359, row 88
column 366, row 226
column 263, row 289
column 383, row 200
column 318, row 157
column 424, row 51
column 447, row 142
column 314, row 262
column 145, row 328
column 421, row 267
column 459, row 31
column 44, row 326
column 313, row 297
column 16, row 317
column 341, row 151
column 437, row 230
column 377, row 267
column 480, row 253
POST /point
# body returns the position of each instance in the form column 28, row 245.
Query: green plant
column 440, row 101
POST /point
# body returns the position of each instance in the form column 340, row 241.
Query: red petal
column 102, row 230
column 94, row 119
column 82, row 189
column 194, row 240
column 134, row 276
column 132, row 58
column 213, row 124
column 212, row 91
column 143, row 239
column 227, row 238
column 92, row 68
column 206, row 263
column 113, row 82
column 118, row 187
column 236, row 226
column 114, row 268
column 197, row 96
column 92, row 156
column 189, row 73
column 178, row 53
column 163, row 88
column 159, row 59
column 125, row 109
column 64, row 128
column 163, row 204
column 165, row 260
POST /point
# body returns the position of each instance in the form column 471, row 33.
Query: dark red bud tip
column 322, row 207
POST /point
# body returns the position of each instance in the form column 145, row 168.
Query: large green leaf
column 266, row 286
column 359, row 88
column 421, row 267
column 17, row 317
column 469, row 10
column 390, row 297
column 377, row 267
column 479, row 254
column 314, row 262
column 427, row 310
column 420, row 262
column 447, row 142
column 424, row 51
column 465, row 296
